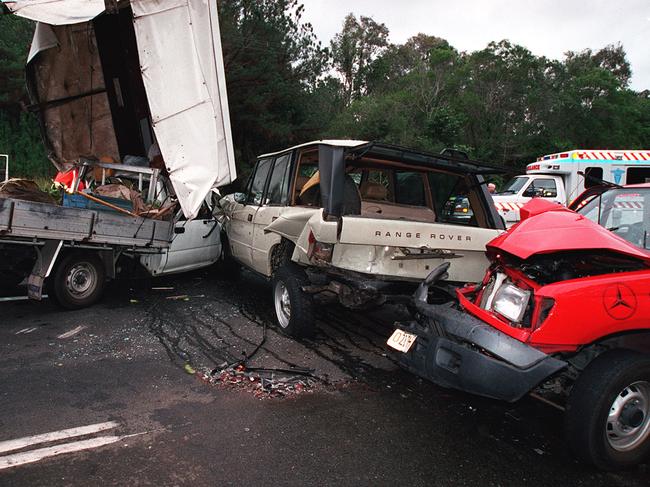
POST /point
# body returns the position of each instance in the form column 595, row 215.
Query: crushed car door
column 195, row 244
column 240, row 228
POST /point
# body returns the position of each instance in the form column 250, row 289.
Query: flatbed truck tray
column 44, row 221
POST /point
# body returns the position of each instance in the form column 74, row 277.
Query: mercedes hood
column 548, row 228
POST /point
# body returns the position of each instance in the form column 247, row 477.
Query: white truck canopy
column 181, row 67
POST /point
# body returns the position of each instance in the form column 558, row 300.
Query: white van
column 556, row 177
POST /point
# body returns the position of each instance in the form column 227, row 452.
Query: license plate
column 401, row 341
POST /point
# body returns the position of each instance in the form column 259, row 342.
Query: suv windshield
column 514, row 185
column 624, row 211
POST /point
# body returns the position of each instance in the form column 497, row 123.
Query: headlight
column 510, row 302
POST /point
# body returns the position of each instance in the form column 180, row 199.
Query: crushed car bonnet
column 551, row 228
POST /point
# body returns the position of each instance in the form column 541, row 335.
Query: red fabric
column 67, row 178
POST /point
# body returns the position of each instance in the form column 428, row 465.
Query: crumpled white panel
column 182, row 68
column 57, row 12
column 44, row 38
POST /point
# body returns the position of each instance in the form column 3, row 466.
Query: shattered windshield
column 625, row 212
column 514, row 185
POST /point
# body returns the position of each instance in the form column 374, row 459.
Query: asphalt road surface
column 130, row 392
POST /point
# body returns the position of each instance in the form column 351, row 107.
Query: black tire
column 298, row 319
column 78, row 281
column 612, row 380
column 227, row 266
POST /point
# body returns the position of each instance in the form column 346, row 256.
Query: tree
column 353, row 51
column 15, row 36
column 274, row 67
column 19, row 133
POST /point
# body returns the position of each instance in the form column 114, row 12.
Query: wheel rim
column 81, row 280
column 628, row 423
column 282, row 304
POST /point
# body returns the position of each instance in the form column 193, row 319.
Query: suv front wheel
column 293, row 307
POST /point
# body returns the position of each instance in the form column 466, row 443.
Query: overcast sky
column 545, row 27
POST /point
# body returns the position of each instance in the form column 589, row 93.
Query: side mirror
column 240, row 198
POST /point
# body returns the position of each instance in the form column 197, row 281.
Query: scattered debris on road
column 72, row 332
column 265, row 383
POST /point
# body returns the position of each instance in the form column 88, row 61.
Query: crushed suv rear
column 363, row 221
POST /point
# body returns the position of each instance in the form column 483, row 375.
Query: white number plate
column 401, row 341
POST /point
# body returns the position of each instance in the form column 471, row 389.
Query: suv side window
column 278, row 190
column 259, row 181
column 376, row 186
column 409, row 188
column 451, row 199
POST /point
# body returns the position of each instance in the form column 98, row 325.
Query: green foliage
column 21, row 140
column 19, row 133
column 353, row 51
column 15, row 36
column 502, row 103
column 274, row 66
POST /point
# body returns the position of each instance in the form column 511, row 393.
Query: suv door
column 276, row 197
column 241, row 223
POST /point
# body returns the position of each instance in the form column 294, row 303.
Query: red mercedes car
column 564, row 306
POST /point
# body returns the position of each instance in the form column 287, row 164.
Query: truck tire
column 78, row 281
column 293, row 307
column 607, row 419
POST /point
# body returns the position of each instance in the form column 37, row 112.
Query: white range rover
column 366, row 221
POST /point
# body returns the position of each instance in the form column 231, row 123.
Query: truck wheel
column 607, row 419
column 78, row 281
column 293, row 308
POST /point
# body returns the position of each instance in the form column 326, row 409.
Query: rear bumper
column 457, row 350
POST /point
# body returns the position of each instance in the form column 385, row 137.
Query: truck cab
column 561, row 177
column 521, row 189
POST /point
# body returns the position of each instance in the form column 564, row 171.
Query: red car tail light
column 319, row 251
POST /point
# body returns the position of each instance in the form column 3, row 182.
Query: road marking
column 72, row 332
column 18, row 298
column 17, row 444
column 32, row 456
column 24, row 331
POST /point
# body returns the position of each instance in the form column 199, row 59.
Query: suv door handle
column 250, row 217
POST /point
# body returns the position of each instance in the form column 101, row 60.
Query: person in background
column 491, row 188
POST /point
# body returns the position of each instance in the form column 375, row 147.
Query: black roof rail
column 455, row 153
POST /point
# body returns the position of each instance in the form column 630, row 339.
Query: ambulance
column 561, row 177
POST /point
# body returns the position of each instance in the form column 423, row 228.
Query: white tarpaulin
column 57, row 12
column 44, row 38
column 179, row 47
column 182, row 68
